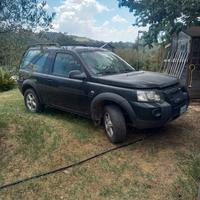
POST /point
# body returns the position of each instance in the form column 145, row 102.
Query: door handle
column 50, row 81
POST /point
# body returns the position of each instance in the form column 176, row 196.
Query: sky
column 96, row 19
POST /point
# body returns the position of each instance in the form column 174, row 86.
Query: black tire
column 38, row 106
column 118, row 124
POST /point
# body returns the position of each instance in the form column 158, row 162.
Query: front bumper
column 152, row 115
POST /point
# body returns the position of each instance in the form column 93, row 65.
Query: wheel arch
column 104, row 99
column 29, row 85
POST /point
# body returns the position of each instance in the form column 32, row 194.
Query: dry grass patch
column 164, row 166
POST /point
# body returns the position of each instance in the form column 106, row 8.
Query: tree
column 164, row 17
column 23, row 14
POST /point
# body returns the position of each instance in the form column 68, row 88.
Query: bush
column 6, row 81
column 145, row 59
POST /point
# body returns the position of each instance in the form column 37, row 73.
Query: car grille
column 177, row 97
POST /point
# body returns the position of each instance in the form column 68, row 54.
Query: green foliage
column 29, row 14
column 14, row 44
column 164, row 17
column 6, row 81
column 11, row 49
column 18, row 18
column 144, row 59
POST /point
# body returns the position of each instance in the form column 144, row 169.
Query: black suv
column 98, row 84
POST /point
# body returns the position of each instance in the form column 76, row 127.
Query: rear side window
column 35, row 61
column 29, row 57
column 39, row 65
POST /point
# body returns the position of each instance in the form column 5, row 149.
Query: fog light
column 156, row 113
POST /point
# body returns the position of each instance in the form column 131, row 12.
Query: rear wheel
column 32, row 101
column 114, row 124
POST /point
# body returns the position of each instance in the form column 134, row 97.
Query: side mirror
column 77, row 74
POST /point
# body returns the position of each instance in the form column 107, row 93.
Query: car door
column 67, row 93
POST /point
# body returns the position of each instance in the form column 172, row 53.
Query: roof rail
column 42, row 45
column 75, row 45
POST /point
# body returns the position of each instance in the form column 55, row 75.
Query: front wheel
column 114, row 124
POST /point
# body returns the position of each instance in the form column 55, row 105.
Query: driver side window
column 64, row 64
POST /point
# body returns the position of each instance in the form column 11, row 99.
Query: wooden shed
column 183, row 59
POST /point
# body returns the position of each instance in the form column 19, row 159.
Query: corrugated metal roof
column 193, row 31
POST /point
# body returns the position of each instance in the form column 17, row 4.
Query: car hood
column 139, row 80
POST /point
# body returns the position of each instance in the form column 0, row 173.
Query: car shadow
column 59, row 114
column 169, row 135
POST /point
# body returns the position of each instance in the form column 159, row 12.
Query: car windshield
column 105, row 63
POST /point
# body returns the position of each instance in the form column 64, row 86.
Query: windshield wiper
column 114, row 72
column 106, row 73
column 128, row 70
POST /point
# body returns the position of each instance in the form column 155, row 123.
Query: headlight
column 149, row 96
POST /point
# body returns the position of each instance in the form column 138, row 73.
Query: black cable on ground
column 70, row 166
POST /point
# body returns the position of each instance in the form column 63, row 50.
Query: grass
column 32, row 138
column 164, row 166
column 189, row 163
